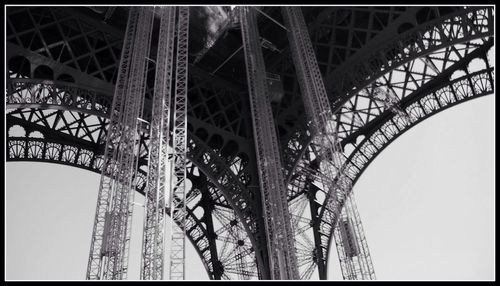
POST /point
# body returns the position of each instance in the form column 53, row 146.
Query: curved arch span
column 49, row 94
column 446, row 96
column 50, row 151
column 465, row 25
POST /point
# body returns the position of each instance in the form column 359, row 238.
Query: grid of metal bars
column 324, row 127
column 108, row 257
column 430, row 66
column 178, row 206
column 158, row 185
column 283, row 263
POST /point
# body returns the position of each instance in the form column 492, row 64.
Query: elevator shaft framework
column 281, row 249
column 79, row 143
column 109, row 249
column 158, row 182
column 330, row 154
column 178, row 193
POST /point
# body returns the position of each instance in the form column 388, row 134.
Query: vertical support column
column 323, row 126
column 178, row 199
column 313, row 205
column 108, row 257
column 352, row 248
column 153, row 256
column 280, row 239
column 208, row 206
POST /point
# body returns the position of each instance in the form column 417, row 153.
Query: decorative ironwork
column 385, row 69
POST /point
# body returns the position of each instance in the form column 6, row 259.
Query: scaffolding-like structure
column 90, row 88
column 109, row 248
column 110, row 239
column 351, row 243
column 280, row 240
column 178, row 193
column 158, row 182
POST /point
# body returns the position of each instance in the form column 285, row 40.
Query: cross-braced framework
column 324, row 128
column 158, row 187
column 352, row 247
column 178, row 194
column 385, row 70
column 406, row 80
column 108, row 257
column 277, row 218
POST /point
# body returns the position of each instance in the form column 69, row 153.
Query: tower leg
column 280, row 240
column 178, row 191
column 108, row 257
column 158, row 185
column 349, row 234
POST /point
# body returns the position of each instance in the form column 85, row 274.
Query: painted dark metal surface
column 62, row 65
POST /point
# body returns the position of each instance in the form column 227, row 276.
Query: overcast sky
column 427, row 206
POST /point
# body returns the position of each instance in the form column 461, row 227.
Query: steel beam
column 280, row 239
column 153, row 256
column 178, row 187
column 108, row 257
column 324, row 129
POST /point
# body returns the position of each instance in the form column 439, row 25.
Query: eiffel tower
column 245, row 128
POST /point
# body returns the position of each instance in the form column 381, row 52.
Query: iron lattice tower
column 302, row 98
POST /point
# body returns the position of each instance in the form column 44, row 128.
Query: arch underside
column 367, row 150
column 423, row 85
column 73, row 121
column 374, row 143
column 203, row 234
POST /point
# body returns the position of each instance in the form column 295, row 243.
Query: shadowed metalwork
column 383, row 70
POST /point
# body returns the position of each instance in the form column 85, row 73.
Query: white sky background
column 426, row 202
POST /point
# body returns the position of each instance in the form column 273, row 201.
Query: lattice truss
column 66, row 39
column 336, row 33
column 280, row 242
column 318, row 110
column 98, row 158
column 385, row 102
column 42, row 145
column 108, row 257
column 60, row 116
column 178, row 192
column 158, row 187
column 77, row 104
column 224, row 224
